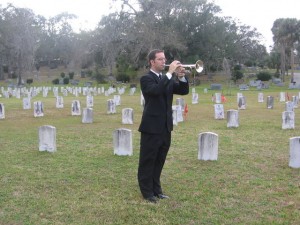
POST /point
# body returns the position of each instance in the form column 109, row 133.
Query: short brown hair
column 152, row 54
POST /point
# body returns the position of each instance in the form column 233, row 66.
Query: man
column 157, row 122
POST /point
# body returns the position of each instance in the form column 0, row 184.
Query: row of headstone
column 60, row 103
column 34, row 91
column 232, row 115
column 122, row 140
column 208, row 146
column 122, row 144
column 282, row 97
column 288, row 117
column 207, row 142
column 87, row 116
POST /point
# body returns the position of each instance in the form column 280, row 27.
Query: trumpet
column 199, row 66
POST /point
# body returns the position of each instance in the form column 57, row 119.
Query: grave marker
column 87, row 115
column 288, row 120
column 127, row 116
column 232, row 118
column 47, row 138
column 208, row 146
column 294, row 160
column 122, row 139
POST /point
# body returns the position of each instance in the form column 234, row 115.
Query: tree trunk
column 1, row 70
column 292, row 64
column 282, row 63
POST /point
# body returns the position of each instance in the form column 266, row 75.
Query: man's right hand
column 173, row 66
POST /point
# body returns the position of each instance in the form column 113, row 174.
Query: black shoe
column 151, row 199
column 162, row 196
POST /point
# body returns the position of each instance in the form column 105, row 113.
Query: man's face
column 158, row 64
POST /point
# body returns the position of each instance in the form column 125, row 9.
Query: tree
column 57, row 40
column 19, row 35
column 286, row 32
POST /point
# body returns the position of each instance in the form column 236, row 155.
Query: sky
column 259, row 14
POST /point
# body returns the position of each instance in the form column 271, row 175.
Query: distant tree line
column 186, row 30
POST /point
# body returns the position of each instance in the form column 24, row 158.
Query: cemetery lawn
column 84, row 183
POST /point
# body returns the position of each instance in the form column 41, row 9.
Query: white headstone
column 270, row 102
column 47, row 138
column 288, row 120
column 111, row 106
column 289, row 106
column 132, row 91
column 87, row 115
column 117, row 99
column 232, row 118
column 218, row 98
column 2, row 111
column 294, row 161
column 174, row 115
column 238, row 95
column 180, row 102
column 260, row 97
column 38, row 109
column 142, row 100
column 178, row 112
column 219, row 111
column 76, row 109
column 295, row 100
column 122, row 139
column 127, row 116
column 242, row 102
column 59, row 102
column 282, row 97
column 208, row 146
column 89, row 101
column 195, row 98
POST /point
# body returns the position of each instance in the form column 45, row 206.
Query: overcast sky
column 259, row 14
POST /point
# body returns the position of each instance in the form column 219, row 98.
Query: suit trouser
column 153, row 152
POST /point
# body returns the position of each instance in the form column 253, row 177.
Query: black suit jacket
column 158, row 97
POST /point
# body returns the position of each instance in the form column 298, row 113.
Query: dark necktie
column 159, row 76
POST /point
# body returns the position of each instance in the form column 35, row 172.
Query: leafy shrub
column 276, row 74
column 236, row 75
column 62, row 74
column 71, row 75
column 5, row 68
column 13, row 75
column 29, row 81
column 55, row 81
column 123, row 77
column 66, row 80
column 237, row 67
column 82, row 74
column 99, row 77
column 89, row 73
column 249, row 63
column 213, row 68
column 264, row 76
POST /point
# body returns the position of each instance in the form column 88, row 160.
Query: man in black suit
column 157, row 122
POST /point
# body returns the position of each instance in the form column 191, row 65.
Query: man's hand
column 180, row 72
column 173, row 66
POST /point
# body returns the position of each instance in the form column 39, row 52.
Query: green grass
column 84, row 183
